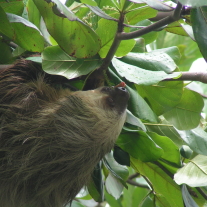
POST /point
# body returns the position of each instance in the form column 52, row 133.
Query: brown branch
column 114, row 45
column 191, row 76
column 175, row 16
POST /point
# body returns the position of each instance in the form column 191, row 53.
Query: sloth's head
column 96, row 115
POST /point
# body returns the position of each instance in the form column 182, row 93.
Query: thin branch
column 114, row 45
column 134, row 183
column 163, row 22
column 191, row 76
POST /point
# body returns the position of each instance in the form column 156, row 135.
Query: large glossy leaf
column 163, row 185
column 171, row 151
column 56, row 61
column 138, row 75
column 194, row 173
column 196, row 139
column 33, row 13
column 139, row 13
column 186, row 115
column 131, row 119
column 187, row 47
column 76, row 38
column 163, row 96
column 139, row 145
column 154, row 61
column 21, row 31
column 166, row 129
column 199, row 24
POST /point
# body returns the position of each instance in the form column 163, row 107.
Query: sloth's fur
column 52, row 138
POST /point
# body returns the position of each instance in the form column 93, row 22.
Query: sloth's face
column 108, row 98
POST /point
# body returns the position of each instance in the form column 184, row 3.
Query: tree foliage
column 160, row 158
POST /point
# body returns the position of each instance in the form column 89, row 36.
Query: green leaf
column 56, row 61
column 166, row 129
column 196, row 139
column 199, row 24
column 133, row 196
column 33, row 13
column 139, row 46
column 171, row 151
column 139, row 75
column 187, row 47
column 131, row 119
column 173, row 52
column 12, row 6
column 100, row 12
column 149, row 37
column 193, row 3
column 139, row 107
column 186, row 151
column 21, row 31
column 76, row 38
column 138, row 13
column 186, row 115
column 154, row 61
column 193, row 173
column 176, row 28
column 121, row 156
column 112, row 201
column 106, row 31
column 5, row 52
column 163, row 185
column 118, row 171
column 162, row 97
column 139, row 145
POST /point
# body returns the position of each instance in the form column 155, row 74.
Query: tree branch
column 114, row 45
column 163, row 22
column 191, row 76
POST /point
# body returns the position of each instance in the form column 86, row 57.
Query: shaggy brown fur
column 51, row 138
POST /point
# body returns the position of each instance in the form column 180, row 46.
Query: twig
column 191, row 76
column 114, row 45
column 134, row 183
column 163, row 22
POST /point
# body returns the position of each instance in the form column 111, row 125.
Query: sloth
column 51, row 138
